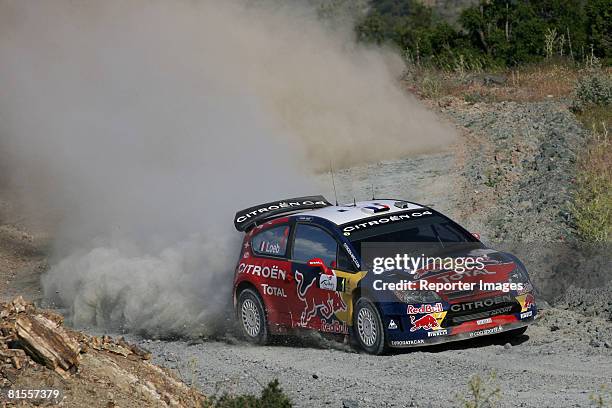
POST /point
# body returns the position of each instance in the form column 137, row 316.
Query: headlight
column 417, row 296
column 518, row 276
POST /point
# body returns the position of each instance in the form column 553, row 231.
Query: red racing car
column 307, row 264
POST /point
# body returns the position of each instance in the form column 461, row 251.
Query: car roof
column 342, row 214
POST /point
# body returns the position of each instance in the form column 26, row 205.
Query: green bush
column 271, row 397
column 594, row 89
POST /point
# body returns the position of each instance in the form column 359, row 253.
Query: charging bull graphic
column 529, row 301
column 427, row 322
column 325, row 301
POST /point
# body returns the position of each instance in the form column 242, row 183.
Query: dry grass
column 593, row 196
column 551, row 79
column 540, row 81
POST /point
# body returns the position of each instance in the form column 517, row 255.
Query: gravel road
column 544, row 368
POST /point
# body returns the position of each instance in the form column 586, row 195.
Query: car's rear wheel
column 368, row 328
column 252, row 317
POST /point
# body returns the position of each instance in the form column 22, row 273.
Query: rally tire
column 368, row 329
column 251, row 317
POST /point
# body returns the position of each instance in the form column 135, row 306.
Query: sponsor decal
column 392, row 325
column 272, row 272
column 273, row 290
column 273, row 248
column 441, row 332
column 348, row 229
column 334, row 327
column 526, row 301
column 460, row 307
column 277, row 206
column 485, row 332
column 407, row 342
column 526, row 314
column 315, row 300
column 328, row 282
column 427, row 322
column 375, row 208
column 500, row 311
column 484, row 321
column 352, row 255
column 411, row 310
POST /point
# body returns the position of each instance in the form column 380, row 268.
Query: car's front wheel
column 368, row 328
column 252, row 317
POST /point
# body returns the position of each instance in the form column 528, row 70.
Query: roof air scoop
column 401, row 204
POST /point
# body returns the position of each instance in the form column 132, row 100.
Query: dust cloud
column 143, row 126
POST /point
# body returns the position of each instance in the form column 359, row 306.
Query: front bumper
column 442, row 326
column 447, row 338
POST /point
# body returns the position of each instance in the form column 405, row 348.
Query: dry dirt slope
column 76, row 370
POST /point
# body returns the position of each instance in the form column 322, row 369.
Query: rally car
column 304, row 264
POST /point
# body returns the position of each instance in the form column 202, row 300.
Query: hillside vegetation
column 492, row 33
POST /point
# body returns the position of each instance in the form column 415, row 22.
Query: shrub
column 595, row 88
column 271, row 397
column 592, row 206
column 481, row 393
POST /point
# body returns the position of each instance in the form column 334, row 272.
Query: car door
column 323, row 291
column 265, row 264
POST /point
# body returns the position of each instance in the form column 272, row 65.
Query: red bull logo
column 529, row 301
column 425, row 309
column 315, row 300
column 427, row 322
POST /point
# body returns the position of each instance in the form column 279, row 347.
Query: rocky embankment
column 72, row 369
column 518, row 166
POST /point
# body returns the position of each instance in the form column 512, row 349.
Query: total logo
column 273, row 290
column 526, row 314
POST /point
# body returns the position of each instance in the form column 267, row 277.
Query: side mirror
column 318, row 263
column 476, row 235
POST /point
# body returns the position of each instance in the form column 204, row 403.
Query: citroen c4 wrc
column 302, row 266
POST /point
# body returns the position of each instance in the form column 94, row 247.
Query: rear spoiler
column 246, row 219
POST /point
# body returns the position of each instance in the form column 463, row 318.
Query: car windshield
column 434, row 231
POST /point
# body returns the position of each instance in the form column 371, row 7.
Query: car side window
column 313, row 242
column 272, row 241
